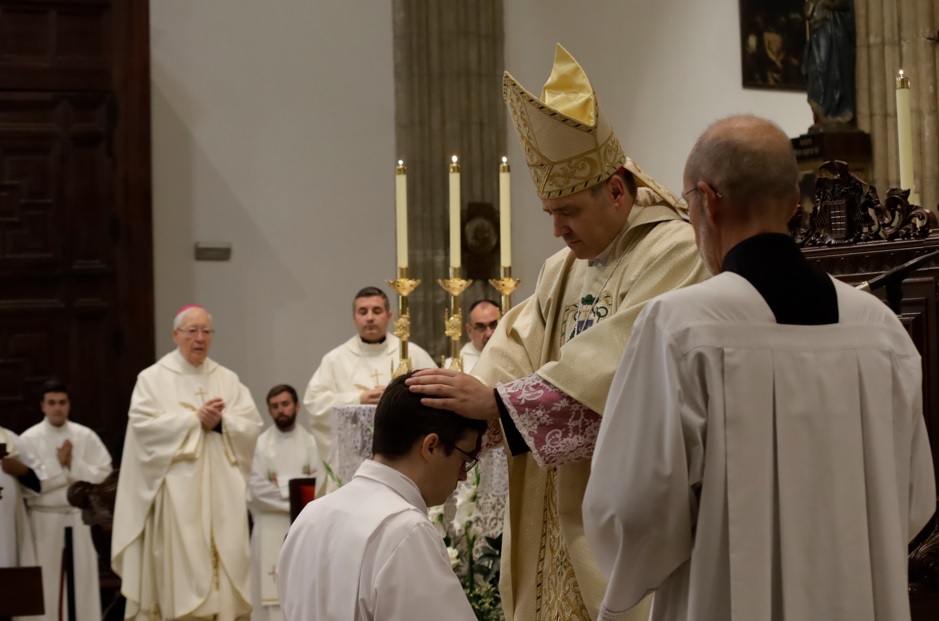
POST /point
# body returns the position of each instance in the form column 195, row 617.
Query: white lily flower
column 454, row 557
column 435, row 515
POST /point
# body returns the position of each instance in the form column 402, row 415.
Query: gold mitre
column 569, row 145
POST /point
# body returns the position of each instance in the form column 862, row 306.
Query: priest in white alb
column 20, row 477
column 763, row 453
column 180, row 541
column 357, row 371
column 284, row 451
column 69, row 452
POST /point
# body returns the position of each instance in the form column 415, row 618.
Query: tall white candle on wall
column 505, row 214
column 455, row 259
column 401, row 212
column 905, row 137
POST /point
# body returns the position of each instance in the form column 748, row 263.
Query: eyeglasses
column 470, row 460
column 192, row 332
column 685, row 194
column 482, row 327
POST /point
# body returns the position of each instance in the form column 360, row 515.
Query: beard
column 285, row 422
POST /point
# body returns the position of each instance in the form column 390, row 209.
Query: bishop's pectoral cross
column 377, row 375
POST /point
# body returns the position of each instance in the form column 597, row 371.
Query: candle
column 401, row 212
column 455, row 213
column 905, row 134
column 505, row 214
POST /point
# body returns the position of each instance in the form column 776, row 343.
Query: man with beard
column 284, row 451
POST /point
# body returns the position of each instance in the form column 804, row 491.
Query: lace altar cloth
column 354, row 424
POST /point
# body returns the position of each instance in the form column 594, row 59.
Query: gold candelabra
column 505, row 286
column 402, row 326
column 453, row 318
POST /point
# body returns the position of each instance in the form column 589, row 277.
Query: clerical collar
column 374, row 344
column 796, row 291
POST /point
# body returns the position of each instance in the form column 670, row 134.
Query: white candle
column 505, row 214
column 401, row 212
column 905, row 134
column 455, row 213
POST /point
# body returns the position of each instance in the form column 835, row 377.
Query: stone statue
column 830, row 57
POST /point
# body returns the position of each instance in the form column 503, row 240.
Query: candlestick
column 455, row 255
column 401, row 213
column 505, row 286
column 453, row 319
column 505, row 214
column 905, row 138
column 402, row 326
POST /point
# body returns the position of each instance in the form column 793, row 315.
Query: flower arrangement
column 475, row 562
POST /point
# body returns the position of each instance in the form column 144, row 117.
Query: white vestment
column 368, row 552
column 470, row 356
column 50, row 513
column 345, row 373
column 17, row 545
column 749, row 470
column 279, row 457
column 180, row 541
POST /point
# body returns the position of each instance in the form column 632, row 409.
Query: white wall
column 273, row 130
column 663, row 70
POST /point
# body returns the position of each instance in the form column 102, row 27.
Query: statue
column 830, row 56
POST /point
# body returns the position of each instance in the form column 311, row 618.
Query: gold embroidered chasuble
column 572, row 333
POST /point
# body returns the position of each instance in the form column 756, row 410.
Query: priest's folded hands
column 210, row 414
column 456, row 391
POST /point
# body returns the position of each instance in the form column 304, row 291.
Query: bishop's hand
column 455, row 391
column 210, row 414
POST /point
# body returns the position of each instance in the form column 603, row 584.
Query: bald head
column 750, row 162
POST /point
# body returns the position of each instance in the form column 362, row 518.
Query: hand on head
column 455, row 391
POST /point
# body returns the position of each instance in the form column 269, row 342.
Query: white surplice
column 278, row 457
column 180, row 541
column 751, row 470
column 368, row 552
column 345, row 373
column 17, row 544
column 469, row 355
column 50, row 513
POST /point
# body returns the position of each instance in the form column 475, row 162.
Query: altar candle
column 505, row 214
column 905, row 133
column 454, row 213
column 401, row 212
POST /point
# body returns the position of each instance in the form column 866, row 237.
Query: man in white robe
column 180, row 541
column 763, row 453
column 368, row 552
column 69, row 452
column 484, row 316
column 21, row 477
column 358, row 370
column 547, row 370
column 284, row 451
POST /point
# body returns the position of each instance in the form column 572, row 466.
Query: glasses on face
column 482, row 327
column 470, row 460
column 685, row 194
column 192, row 332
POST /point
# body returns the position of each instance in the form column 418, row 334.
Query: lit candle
column 905, row 135
column 454, row 213
column 401, row 212
column 505, row 214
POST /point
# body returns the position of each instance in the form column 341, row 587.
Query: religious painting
column 772, row 43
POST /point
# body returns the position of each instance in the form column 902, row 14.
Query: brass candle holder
column 453, row 318
column 402, row 326
column 505, row 286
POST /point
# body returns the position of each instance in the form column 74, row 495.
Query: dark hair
column 401, row 420
column 52, row 385
column 371, row 292
column 629, row 180
column 279, row 388
column 478, row 302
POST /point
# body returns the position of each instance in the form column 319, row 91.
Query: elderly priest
column 180, row 541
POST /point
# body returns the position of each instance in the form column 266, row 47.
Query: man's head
column 741, row 179
column 484, row 316
column 282, row 406
column 54, row 402
column 192, row 333
column 371, row 314
column 431, row 447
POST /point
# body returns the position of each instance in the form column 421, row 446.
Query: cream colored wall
column 273, row 130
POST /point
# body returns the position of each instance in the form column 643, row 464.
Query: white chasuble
column 50, row 513
column 17, row 544
column 180, row 541
column 753, row 470
column 279, row 457
column 345, row 373
column 552, row 359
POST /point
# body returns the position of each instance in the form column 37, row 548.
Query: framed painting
column 772, row 43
